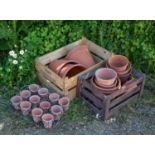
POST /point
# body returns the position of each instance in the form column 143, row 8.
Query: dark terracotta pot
column 105, row 76
column 54, row 97
column 106, row 90
column 57, row 111
column 64, row 102
column 43, row 92
column 71, row 70
column 34, row 88
column 81, row 55
column 45, row 106
column 35, row 100
column 48, row 120
column 25, row 107
column 118, row 62
column 25, row 94
column 15, row 101
column 57, row 65
column 36, row 114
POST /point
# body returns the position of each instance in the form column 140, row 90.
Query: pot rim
column 37, row 109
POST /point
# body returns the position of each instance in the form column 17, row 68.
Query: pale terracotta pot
column 25, row 94
column 105, row 76
column 34, row 89
column 57, row 65
column 54, row 97
column 35, row 100
column 71, row 70
column 48, row 120
column 57, row 111
column 118, row 62
column 64, row 102
column 25, row 107
column 15, row 101
column 45, row 106
column 81, row 55
column 37, row 114
column 43, row 92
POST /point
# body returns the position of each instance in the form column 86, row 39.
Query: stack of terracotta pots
column 110, row 79
column 44, row 106
column 77, row 60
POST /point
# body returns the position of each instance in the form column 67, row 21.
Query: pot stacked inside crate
column 76, row 61
column 43, row 105
column 111, row 78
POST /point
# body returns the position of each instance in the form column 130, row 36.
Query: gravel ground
column 135, row 118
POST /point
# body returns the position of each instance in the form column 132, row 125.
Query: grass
column 12, row 122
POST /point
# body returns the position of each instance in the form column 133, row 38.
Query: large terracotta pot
column 34, row 88
column 43, row 92
column 81, row 55
column 70, row 70
column 48, row 120
column 35, row 100
column 64, row 102
column 15, row 101
column 54, row 97
column 105, row 76
column 57, row 111
column 25, row 107
column 25, row 94
column 118, row 62
column 45, row 106
column 57, row 65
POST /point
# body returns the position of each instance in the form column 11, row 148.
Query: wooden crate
column 107, row 105
column 67, row 86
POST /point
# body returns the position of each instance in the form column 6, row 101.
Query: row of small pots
column 110, row 79
column 44, row 106
column 77, row 60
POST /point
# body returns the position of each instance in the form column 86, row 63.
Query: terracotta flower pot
column 106, row 90
column 54, row 97
column 25, row 94
column 45, row 106
column 35, row 100
column 118, row 62
column 34, row 89
column 48, row 120
column 57, row 111
column 81, row 55
column 43, row 92
column 105, row 76
column 64, row 102
column 25, row 107
column 71, row 70
column 36, row 114
column 57, row 65
column 15, row 101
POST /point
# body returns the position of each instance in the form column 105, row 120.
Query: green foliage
column 135, row 39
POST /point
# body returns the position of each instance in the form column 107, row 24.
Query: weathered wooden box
column 106, row 106
column 67, row 86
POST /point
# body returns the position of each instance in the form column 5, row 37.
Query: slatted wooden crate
column 67, row 86
column 107, row 105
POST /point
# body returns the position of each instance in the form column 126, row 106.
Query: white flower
column 15, row 45
column 21, row 52
column 15, row 62
column 14, row 55
column 11, row 53
column 20, row 67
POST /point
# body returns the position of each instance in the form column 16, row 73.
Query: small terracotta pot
column 25, row 107
column 43, row 92
column 35, row 100
column 48, row 120
column 54, row 97
column 64, row 102
column 71, row 70
column 105, row 76
column 34, row 88
column 57, row 65
column 36, row 114
column 118, row 62
column 45, row 106
column 57, row 111
column 25, row 94
column 15, row 101
column 81, row 55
